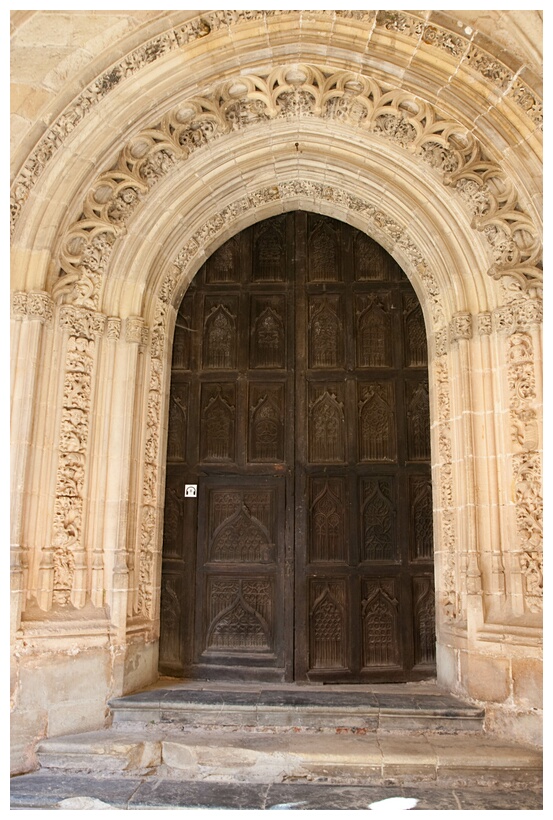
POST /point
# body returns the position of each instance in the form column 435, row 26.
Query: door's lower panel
column 240, row 591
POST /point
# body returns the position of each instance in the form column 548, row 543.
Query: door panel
column 299, row 405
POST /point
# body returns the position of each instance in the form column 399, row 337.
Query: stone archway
column 343, row 143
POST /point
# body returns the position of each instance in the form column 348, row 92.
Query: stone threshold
column 238, row 756
column 402, row 707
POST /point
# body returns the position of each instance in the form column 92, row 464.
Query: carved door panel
column 299, row 406
column 364, row 574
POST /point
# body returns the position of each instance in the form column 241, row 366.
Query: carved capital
column 461, row 326
column 80, row 321
column 113, row 327
column 19, row 305
column 484, row 323
column 133, row 329
column 529, row 313
column 504, row 319
column 39, row 305
column 36, row 304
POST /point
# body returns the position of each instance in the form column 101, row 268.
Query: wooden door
column 299, row 408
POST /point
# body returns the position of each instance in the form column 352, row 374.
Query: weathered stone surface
column 528, row 681
column 40, row 791
column 488, row 679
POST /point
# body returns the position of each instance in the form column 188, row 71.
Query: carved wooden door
column 299, row 407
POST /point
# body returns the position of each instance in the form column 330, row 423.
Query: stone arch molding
column 290, row 92
column 414, row 32
column 297, row 91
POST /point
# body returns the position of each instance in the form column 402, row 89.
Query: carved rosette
column 69, row 558
column 302, row 91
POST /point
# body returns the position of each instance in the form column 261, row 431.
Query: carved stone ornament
column 527, row 473
column 484, row 323
column 150, row 501
column 35, row 305
column 520, row 315
column 408, row 25
column 134, row 327
column 113, row 328
column 68, row 551
column 450, row 598
column 461, row 326
column 300, row 91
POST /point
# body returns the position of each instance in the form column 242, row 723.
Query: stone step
column 47, row 790
column 294, row 708
column 374, row 758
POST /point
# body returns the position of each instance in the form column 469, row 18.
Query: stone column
column 463, row 446
column 30, row 312
column 486, row 440
column 122, row 414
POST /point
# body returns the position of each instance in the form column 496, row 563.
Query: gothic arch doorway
column 299, row 410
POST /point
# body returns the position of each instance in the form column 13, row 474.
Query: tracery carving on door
column 299, row 405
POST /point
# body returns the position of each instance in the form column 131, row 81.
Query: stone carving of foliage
column 67, row 555
column 450, row 598
column 178, row 37
column 461, row 326
column 35, row 305
column 527, row 461
column 300, row 90
column 484, row 323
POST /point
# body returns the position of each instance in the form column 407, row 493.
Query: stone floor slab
column 160, row 793
column 41, row 790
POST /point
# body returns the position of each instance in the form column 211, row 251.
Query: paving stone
column 498, row 800
column 40, row 789
column 300, row 796
column 165, row 793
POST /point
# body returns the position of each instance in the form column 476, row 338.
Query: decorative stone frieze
column 450, row 598
column 529, row 507
column 486, row 66
column 299, row 90
column 526, row 464
column 441, row 341
column 68, row 559
column 425, row 35
column 149, row 530
column 518, row 316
